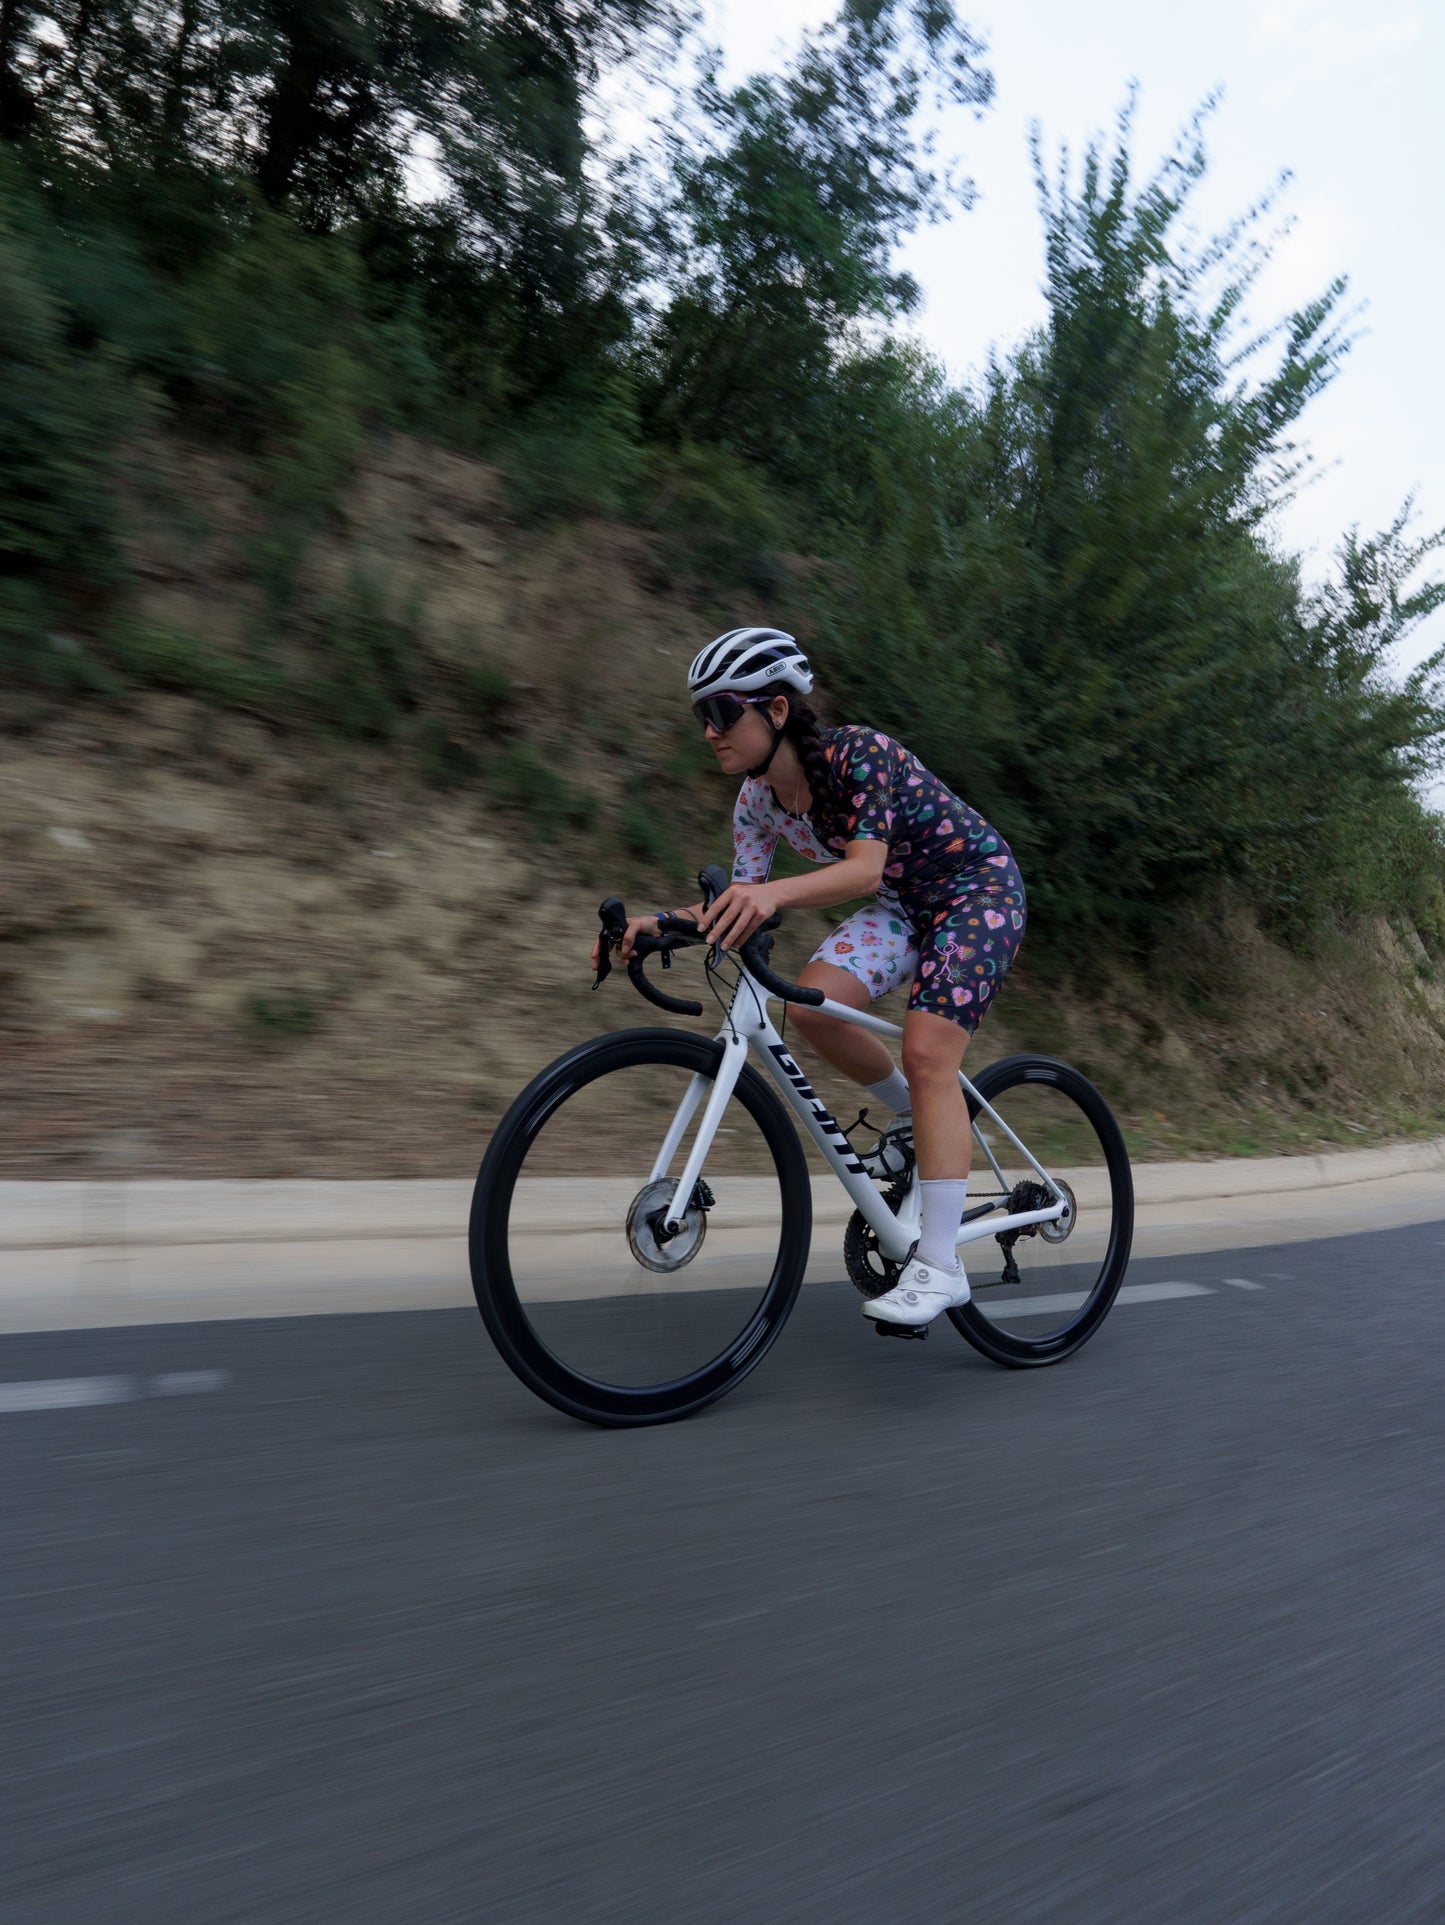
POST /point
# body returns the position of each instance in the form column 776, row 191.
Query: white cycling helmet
column 747, row 661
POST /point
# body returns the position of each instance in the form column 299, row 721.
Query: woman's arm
column 755, row 833
column 738, row 910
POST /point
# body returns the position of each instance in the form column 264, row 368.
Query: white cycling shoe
column 920, row 1294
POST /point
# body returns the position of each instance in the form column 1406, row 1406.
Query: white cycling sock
column 944, row 1201
column 893, row 1091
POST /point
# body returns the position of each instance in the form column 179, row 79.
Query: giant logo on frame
column 822, row 1117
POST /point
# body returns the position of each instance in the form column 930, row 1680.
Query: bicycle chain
column 873, row 1274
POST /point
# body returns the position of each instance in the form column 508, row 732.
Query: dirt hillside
column 229, row 948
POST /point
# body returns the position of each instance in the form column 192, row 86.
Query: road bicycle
column 643, row 1216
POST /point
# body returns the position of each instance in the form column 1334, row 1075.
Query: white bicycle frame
column 749, row 1028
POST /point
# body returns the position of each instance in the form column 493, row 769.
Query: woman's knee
column 932, row 1059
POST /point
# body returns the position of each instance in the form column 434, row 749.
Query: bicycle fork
column 734, row 1054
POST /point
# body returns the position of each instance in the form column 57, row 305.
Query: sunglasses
column 723, row 711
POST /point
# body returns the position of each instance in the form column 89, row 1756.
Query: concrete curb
column 124, row 1215
column 181, row 1253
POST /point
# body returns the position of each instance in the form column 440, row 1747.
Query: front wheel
column 589, row 1300
column 1041, row 1292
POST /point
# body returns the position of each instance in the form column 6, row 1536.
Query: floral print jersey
column 951, row 909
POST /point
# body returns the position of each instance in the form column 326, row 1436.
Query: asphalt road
column 327, row 1619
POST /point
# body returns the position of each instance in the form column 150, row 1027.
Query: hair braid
column 804, row 730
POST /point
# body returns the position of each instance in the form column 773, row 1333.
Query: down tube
column 824, row 1129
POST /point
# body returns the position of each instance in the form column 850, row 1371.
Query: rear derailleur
column 1024, row 1197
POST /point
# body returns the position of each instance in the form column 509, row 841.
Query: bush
column 154, row 655
column 572, row 455
column 282, row 1013
column 721, row 523
column 521, row 779
column 485, row 690
column 368, row 672
column 60, row 409
column 645, row 829
column 443, row 761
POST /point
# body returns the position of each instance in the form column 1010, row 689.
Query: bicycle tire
column 971, row 1319
column 522, row 1350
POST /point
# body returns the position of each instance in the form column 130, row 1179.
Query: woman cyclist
column 947, row 916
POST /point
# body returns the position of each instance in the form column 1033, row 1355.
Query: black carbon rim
column 505, row 1315
column 973, row 1320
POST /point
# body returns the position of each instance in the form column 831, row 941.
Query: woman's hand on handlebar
column 636, row 926
column 739, row 910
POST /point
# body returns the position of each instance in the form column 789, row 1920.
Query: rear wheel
column 1041, row 1292
column 590, row 1302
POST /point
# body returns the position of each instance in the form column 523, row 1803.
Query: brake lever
column 717, row 952
column 613, row 918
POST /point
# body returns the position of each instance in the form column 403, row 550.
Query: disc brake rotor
column 644, row 1226
column 1062, row 1227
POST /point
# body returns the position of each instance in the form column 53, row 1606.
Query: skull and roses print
column 951, row 909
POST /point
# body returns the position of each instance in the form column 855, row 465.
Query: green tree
column 58, row 412
column 789, row 202
column 1072, row 576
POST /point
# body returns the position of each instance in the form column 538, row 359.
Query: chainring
column 869, row 1271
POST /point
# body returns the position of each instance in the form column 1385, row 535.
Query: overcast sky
column 1344, row 96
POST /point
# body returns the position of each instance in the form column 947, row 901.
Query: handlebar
column 756, row 951
column 680, row 932
column 613, row 918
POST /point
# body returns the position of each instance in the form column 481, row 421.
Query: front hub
column 656, row 1247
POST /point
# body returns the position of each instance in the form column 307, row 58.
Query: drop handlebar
column 680, row 932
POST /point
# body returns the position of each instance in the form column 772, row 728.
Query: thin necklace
column 797, row 796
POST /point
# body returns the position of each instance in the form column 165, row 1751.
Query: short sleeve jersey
column 933, row 838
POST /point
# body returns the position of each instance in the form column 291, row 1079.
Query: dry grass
column 230, row 951
column 251, row 963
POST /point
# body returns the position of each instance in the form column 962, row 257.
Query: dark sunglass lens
column 721, row 710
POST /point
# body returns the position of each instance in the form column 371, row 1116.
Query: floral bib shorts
column 951, row 909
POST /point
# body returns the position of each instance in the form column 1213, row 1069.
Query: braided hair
column 805, row 731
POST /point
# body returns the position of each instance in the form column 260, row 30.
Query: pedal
column 899, row 1329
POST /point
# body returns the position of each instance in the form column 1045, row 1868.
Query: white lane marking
column 1161, row 1292
column 70, row 1393
column 186, row 1383
column 1242, row 1283
column 66, row 1393
column 1131, row 1293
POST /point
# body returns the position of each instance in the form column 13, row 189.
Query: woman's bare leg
column 857, row 1053
column 933, row 1049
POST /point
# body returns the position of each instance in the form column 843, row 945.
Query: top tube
column 863, row 1018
